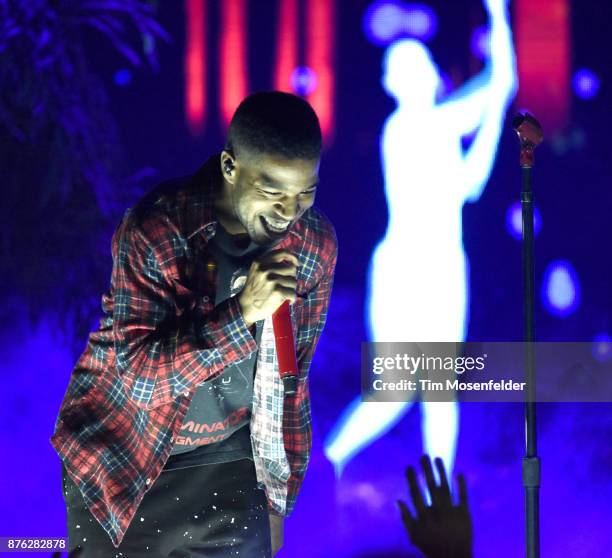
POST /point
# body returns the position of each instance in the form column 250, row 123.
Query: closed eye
column 269, row 193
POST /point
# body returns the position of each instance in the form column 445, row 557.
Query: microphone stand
column 530, row 135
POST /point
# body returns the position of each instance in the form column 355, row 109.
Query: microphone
column 285, row 347
column 530, row 136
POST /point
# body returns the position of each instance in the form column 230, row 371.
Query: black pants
column 208, row 510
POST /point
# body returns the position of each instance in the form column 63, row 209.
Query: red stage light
column 195, row 65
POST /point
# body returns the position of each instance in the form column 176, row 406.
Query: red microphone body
column 285, row 347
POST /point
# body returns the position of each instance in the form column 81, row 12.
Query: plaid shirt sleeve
column 311, row 321
column 159, row 356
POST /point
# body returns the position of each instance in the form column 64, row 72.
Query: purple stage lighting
column 560, row 289
column 123, row 77
column 514, row 221
column 479, row 43
column 303, row 80
column 386, row 21
column 602, row 347
column 382, row 22
column 420, row 21
column 586, row 84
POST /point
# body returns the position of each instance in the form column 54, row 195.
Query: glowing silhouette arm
column 481, row 154
column 469, row 105
column 465, row 107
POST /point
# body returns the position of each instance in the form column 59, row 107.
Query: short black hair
column 276, row 123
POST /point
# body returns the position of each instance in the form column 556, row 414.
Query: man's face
column 269, row 194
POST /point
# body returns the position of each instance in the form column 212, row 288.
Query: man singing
column 175, row 433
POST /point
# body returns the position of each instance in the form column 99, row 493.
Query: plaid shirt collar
column 206, row 180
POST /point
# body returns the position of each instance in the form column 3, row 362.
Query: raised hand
column 443, row 529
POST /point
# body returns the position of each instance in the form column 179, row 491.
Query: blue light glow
column 123, row 77
column 602, row 347
column 560, row 289
column 514, row 221
column 586, row 84
column 303, row 80
column 479, row 43
column 420, row 22
column 381, row 22
column 386, row 21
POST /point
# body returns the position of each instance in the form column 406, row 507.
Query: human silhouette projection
column 417, row 284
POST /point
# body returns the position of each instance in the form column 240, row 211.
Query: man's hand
column 271, row 281
column 277, row 532
column 442, row 530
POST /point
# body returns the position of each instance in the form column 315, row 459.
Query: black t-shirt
column 216, row 426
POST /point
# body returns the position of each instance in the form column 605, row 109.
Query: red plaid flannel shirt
column 161, row 336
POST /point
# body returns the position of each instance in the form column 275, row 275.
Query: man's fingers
column 407, row 518
column 286, row 293
column 279, row 256
column 287, row 281
column 463, row 498
column 444, row 489
column 429, row 476
column 282, row 268
column 415, row 491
